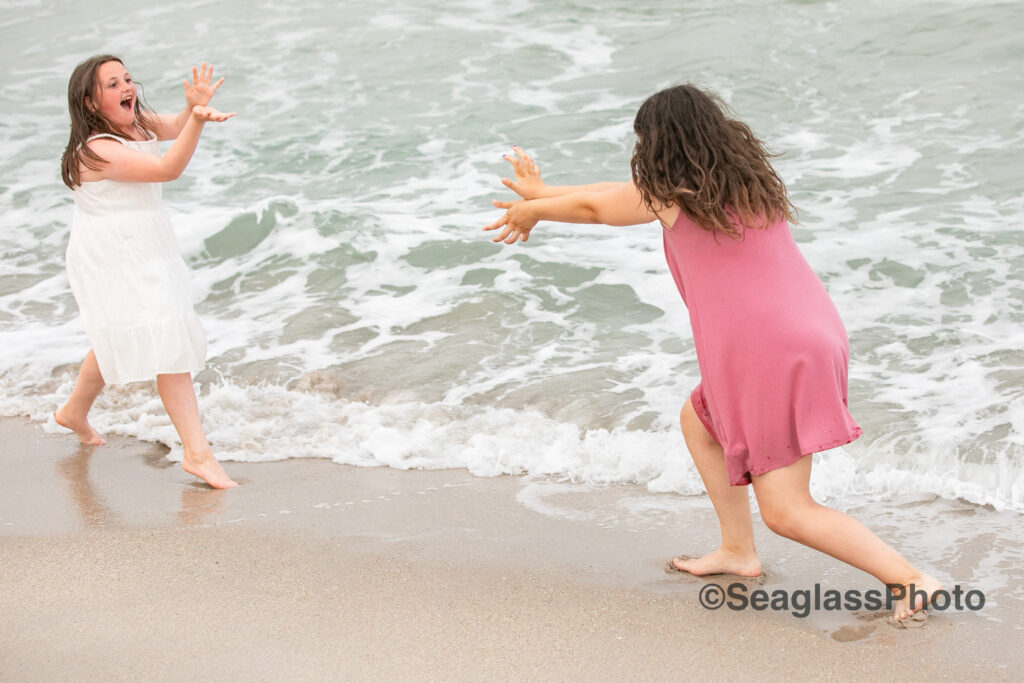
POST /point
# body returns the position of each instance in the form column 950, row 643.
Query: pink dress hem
column 771, row 348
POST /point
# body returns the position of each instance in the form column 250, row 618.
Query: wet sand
column 117, row 565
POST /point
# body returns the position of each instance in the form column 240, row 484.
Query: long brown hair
column 689, row 153
column 85, row 121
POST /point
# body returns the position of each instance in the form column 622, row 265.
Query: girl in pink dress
column 770, row 345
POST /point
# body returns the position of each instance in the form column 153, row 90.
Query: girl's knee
column 695, row 433
column 690, row 423
column 786, row 518
column 778, row 519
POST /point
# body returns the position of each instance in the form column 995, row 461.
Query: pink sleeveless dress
column 771, row 347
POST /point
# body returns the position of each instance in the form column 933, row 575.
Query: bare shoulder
column 104, row 144
column 668, row 215
column 108, row 149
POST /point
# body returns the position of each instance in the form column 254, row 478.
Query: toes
column 908, row 619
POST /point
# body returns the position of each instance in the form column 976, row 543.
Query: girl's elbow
column 166, row 175
column 591, row 213
column 603, row 217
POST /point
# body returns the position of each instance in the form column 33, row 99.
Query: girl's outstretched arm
column 199, row 92
column 528, row 183
column 620, row 205
column 132, row 166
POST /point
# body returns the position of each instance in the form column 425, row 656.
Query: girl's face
column 114, row 95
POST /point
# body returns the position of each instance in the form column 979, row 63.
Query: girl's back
column 760, row 285
column 772, row 349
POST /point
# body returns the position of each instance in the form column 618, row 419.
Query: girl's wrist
column 530, row 208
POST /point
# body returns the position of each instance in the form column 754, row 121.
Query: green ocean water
column 354, row 310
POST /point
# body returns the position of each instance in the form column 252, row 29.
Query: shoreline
column 312, row 569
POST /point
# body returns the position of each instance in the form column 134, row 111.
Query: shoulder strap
column 105, row 135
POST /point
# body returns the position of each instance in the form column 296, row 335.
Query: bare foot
column 206, row 467
column 720, row 561
column 79, row 425
column 919, row 592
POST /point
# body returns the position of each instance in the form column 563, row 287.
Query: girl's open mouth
column 127, row 103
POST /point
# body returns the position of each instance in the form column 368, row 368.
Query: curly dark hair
column 86, row 121
column 689, row 153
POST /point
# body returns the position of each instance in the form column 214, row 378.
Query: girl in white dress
column 126, row 273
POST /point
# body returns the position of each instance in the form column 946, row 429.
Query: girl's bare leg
column 75, row 413
column 737, row 554
column 784, row 498
column 179, row 397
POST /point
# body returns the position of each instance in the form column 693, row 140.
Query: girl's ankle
column 739, row 550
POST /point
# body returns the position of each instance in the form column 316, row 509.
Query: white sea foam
column 356, row 312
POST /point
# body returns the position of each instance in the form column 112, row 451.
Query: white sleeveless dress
column 130, row 282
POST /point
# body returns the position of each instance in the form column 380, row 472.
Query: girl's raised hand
column 204, row 113
column 517, row 221
column 527, row 184
column 200, row 90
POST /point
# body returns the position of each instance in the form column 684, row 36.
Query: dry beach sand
column 117, row 565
